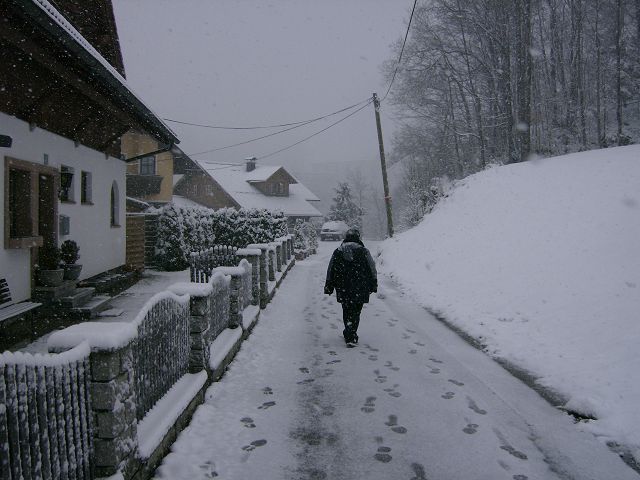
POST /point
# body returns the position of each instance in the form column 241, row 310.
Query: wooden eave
column 52, row 81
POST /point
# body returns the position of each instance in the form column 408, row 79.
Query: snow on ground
column 412, row 401
column 541, row 262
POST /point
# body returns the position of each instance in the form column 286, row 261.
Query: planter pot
column 71, row 271
column 50, row 278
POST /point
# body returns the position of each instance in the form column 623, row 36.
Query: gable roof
column 301, row 189
column 264, row 173
column 95, row 20
column 62, row 48
column 237, row 182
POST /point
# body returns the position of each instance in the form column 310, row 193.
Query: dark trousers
column 351, row 319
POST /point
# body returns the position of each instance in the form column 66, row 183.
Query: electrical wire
column 303, row 122
column 317, row 133
column 406, row 35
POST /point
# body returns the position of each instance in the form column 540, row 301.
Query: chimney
column 251, row 163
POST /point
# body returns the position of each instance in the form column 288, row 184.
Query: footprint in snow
column 266, row 405
column 471, row 428
column 435, row 360
column 369, row 405
column 383, row 454
column 267, row 391
column 456, row 382
column 253, row 445
column 448, row 395
column 473, row 406
column 248, row 422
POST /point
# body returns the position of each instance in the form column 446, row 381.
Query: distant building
column 248, row 186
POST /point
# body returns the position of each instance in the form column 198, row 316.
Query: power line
column 248, row 141
column 317, row 133
column 303, row 122
column 401, row 51
column 279, row 131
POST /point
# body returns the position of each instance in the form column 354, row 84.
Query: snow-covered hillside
column 540, row 261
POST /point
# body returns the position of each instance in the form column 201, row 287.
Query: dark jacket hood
column 349, row 249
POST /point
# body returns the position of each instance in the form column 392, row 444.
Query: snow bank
column 98, row 335
column 222, row 345
column 250, row 316
column 540, row 262
column 78, row 351
column 230, row 270
column 155, row 424
column 248, row 251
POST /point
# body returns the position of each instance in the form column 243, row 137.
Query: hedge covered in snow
column 305, row 236
column 183, row 230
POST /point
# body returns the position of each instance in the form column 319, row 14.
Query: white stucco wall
column 102, row 247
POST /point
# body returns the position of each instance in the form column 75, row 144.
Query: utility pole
column 383, row 164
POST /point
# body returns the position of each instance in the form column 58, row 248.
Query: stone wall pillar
column 253, row 257
column 264, row 272
column 236, row 305
column 272, row 264
column 199, row 329
column 113, row 402
column 278, row 257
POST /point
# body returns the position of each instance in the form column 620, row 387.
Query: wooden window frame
column 71, row 191
column 86, row 188
column 34, row 169
column 155, row 165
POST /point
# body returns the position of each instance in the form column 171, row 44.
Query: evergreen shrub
column 184, row 230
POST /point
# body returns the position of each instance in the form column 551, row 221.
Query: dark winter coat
column 352, row 273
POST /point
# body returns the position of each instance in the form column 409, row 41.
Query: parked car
column 333, row 230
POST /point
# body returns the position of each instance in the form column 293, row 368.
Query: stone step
column 112, row 312
column 52, row 294
column 93, row 307
column 79, row 297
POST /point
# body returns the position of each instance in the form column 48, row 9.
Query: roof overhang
column 45, row 22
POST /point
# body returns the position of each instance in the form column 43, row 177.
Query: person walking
column 352, row 274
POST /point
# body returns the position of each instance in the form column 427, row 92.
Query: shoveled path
column 412, row 401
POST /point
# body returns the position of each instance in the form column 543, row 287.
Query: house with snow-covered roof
column 249, row 186
column 64, row 107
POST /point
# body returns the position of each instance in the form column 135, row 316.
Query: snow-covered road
column 412, row 401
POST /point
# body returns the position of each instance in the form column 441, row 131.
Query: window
column 195, row 189
column 148, row 165
column 31, row 200
column 85, row 188
column 115, row 205
column 20, row 213
column 209, row 189
column 277, row 188
column 66, row 184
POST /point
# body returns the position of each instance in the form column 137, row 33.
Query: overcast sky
column 259, row 62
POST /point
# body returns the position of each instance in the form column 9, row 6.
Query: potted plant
column 48, row 271
column 69, row 254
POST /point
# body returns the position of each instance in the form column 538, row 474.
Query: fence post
column 199, row 329
column 252, row 255
column 272, row 260
column 278, row 255
column 113, row 404
column 264, row 272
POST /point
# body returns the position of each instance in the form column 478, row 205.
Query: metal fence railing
column 201, row 263
column 45, row 419
column 161, row 353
